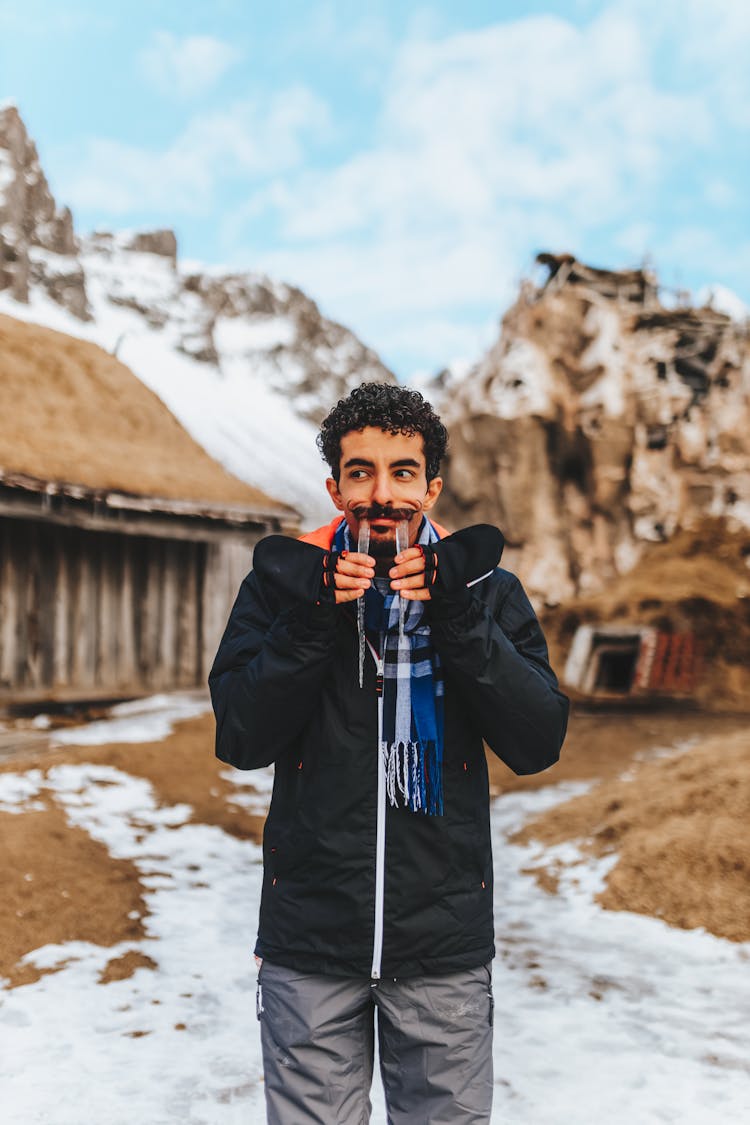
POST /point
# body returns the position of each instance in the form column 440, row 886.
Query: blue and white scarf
column 413, row 691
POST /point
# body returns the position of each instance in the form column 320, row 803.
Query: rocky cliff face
column 249, row 365
column 37, row 241
column 600, row 421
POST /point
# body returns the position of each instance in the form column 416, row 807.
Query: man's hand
column 353, row 575
column 408, row 576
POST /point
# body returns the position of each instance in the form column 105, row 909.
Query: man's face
column 383, row 479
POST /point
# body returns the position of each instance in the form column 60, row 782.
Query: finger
column 348, row 566
column 412, row 566
column 413, row 582
column 408, row 554
column 420, row 595
column 353, row 557
column 347, row 595
column 361, row 573
column 351, row 582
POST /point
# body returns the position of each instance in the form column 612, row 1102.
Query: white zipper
column 377, row 944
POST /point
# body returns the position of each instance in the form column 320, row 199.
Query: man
column 377, row 890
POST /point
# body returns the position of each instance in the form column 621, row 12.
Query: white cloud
column 185, row 67
column 534, row 114
column 248, row 140
column 528, row 134
column 709, row 44
column 342, row 30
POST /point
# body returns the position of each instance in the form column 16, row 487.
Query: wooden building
column 122, row 543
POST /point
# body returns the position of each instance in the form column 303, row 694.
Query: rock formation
column 37, row 241
column 602, row 419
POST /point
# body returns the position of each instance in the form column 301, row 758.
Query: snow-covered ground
column 599, row 1016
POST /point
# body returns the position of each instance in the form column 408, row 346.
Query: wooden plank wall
column 84, row 611
column 227, row 563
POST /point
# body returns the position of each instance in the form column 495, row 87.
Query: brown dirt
column 120, row 968
column 681, row 831
column 81, row 416
column 58, row 885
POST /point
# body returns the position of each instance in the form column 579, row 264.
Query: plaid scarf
column 413, row 689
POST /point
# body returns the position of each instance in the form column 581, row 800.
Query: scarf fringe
column 414, row 777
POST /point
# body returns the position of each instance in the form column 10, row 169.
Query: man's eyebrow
column 403, row 462
column 359, row 461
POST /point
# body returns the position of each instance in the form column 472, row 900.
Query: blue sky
column 400, row 162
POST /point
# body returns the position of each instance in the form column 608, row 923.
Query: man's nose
column 382, row 492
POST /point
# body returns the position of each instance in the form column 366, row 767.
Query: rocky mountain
column 248, row 364
column 33, row 230
column 604, row 418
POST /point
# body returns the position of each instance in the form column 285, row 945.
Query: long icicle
column 402, row 542
column 363, row 548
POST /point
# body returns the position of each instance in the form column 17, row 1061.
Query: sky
column 402, row 163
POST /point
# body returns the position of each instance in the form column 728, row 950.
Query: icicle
column 363, row 548
column 402, row 542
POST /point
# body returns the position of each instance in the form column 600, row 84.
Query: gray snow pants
column 434, row 1040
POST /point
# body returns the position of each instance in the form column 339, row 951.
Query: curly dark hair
column 395, row 410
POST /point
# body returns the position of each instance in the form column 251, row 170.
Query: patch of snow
column 522, row 386
column 609, row 390
column 18, row 789
column 139, row 720
column 240, row 336
column 7, row 172
column 253, row 789
column 55, row 265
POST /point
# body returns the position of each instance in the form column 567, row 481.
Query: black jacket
column 285, row 690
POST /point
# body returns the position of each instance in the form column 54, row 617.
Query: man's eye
column 404, row 474
column 357, row 474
